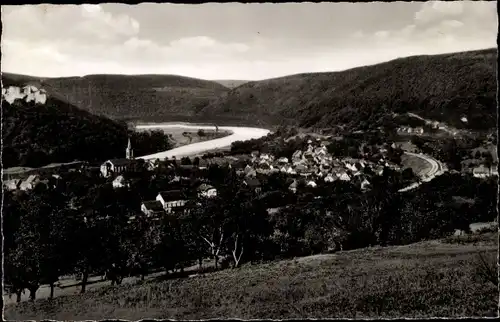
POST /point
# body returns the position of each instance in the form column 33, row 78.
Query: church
column 115, row 167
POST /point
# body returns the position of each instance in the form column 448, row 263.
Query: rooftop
column 119, row 162
column 172, row 195
column 153, row 205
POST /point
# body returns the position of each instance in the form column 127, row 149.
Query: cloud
column 263, row 40
column 440, row 27
column 84, row 22
column 437, row 10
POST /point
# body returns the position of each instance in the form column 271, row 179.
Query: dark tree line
column 83, row 225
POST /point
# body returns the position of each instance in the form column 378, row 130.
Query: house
column 116, row 166
column 365, row 184
column 271, row 211
column 152, row 208
column 253, row 183
column 203, row 164
column 207, row 191
column 283, row 160
column 250, row 171
column 329, row 178
column 263, row 164
column 308, row 155
column 312, row 184
column 152, row 164
column 344, row 176
column 30, row 182
column 288, row 170
column 351, row 167
column 483, row 172
column 301, row 168
column 320, row 151
column 274, row 170
column 297, row 155
column 239, row 164
column 12, row 184
column 120, row 182
column 171, row 200
column 265, row 157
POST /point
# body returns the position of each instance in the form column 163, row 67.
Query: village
column 309, row 168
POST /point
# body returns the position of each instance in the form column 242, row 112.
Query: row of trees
column 83, row 225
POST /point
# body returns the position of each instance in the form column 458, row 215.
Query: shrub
column 486, row 268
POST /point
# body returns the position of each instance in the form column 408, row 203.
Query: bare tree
column 187, row 135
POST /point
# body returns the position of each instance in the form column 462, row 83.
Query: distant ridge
column 231, row 83
column 145, row 97
column 445, row 88
column 442, row 87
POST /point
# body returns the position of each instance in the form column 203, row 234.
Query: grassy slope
column 441, row 87
column 144, row 97
column 426, row 279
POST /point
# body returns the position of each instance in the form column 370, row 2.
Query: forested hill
column 37, row 134
column 441, row 87
column 138, row 97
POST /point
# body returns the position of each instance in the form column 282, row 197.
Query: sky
column 235, row 41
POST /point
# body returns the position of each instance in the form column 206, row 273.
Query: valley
column 354, row 174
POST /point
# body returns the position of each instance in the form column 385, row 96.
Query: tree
column 488, row 159
column 246, row 221
column 187, row 135
column 186, row 161
column 208, row 219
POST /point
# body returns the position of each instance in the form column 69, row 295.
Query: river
column 238, row 134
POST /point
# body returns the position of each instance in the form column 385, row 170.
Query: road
column 238, row 134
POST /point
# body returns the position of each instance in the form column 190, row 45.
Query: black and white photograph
column 329, row 160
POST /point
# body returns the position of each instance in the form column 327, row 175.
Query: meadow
column 451, row 277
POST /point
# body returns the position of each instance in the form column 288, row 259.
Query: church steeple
column 129, row 152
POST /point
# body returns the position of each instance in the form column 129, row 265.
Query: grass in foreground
column 428, row 279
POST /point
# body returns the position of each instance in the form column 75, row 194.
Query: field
column 427, row 279
column 419, row 165
column 181, row 136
